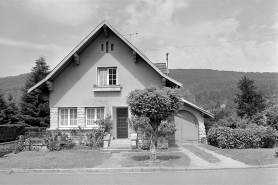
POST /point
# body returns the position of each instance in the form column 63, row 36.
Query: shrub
column 56, row 137
column 106, row 124
column 11, row 131
column 166, row 129
column 251, row 137
column 94, row 138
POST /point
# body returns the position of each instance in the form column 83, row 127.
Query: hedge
column 11, row 131
column 257, row 137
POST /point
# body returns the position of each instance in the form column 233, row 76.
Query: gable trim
column 198, row 108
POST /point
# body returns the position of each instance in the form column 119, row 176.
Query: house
column 95, row 78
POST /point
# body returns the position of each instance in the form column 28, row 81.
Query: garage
column 187, row 127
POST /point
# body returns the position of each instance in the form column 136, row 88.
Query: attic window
column 106, row 47
column 101, row 47
column 112, row 47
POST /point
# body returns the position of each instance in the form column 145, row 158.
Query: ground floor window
column 68, row 117
column 92, row 114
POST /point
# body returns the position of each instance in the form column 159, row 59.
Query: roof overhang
column 206, row 114
column 84, row 43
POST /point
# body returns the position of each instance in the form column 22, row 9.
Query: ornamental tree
column 249, row 101
column 34, row 107
column 157, row 105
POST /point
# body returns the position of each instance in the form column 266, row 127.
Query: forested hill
column 13, row 85
column 213, row 88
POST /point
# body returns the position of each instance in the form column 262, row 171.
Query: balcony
column 111, row 88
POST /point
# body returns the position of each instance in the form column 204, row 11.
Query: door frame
column 114, row 116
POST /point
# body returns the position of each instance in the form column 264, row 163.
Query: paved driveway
column 198, row 162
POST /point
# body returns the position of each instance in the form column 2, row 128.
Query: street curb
column 125, row 170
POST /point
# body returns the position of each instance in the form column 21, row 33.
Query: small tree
column 34, row 107
column 3, row 108
column 249, row 101
column 157, row 105
column 12, row 110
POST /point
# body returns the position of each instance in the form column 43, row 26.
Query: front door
column 122, row 125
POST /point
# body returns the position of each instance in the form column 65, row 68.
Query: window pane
column 90, row 116
column 73, row 116
column 103, row 76
column 100, row 113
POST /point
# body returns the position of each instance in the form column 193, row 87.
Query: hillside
column 211, row 88
column 13, row 85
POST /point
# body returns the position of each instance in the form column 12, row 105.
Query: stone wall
column 81, row 117
column 202, row 131
column 54, row 118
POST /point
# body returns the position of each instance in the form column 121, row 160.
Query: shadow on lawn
column 147, row 157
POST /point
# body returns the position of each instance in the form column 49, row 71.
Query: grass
column 171, row 159
column 201, row 153
column 51, row 160
column 258, row 156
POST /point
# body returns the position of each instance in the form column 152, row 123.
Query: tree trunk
column 152, row 148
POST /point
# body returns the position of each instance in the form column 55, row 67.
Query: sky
column 230, row 35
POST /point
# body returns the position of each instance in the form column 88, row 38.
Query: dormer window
column 107, row 76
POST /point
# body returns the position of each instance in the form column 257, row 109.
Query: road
column 234, row 177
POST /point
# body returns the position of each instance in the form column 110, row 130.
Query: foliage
column 219, row 113
column 233, row 121
column 94, row 138
column 268, row 117
column 251, row 137
column 249, row 101
column 106, row 124
column 34, row 107
column 8, row 110
column 155, row 104
column 11, row 131
column 54, row 139
column 166, row 129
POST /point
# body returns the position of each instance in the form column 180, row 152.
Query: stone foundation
column 54, row 118
column 202, row 132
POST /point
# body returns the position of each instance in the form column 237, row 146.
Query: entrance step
column 119, row 144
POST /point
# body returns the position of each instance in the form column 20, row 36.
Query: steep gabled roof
column 206, row 113
column 162, row 67
column 84, row 43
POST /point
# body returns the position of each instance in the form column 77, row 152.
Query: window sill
column 107, row 88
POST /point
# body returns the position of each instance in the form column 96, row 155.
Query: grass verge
column 52, row 160
column 201, row 153
column 258, row 156
column 170, row 159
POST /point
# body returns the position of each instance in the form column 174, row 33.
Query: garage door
column 187, row 127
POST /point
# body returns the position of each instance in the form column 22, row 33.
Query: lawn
column 171, row 159
column 201, row 153
column 258, row 156
column 51, row 160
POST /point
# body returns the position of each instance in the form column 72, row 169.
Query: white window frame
column 68, row 114
column 107, row 77
column 95, row 115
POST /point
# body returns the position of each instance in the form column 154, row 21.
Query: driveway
column 197, row 161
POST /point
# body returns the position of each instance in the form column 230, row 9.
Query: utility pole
column 167, row 60
column 130, row 34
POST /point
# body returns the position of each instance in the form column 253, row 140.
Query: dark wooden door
column 122, row 125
